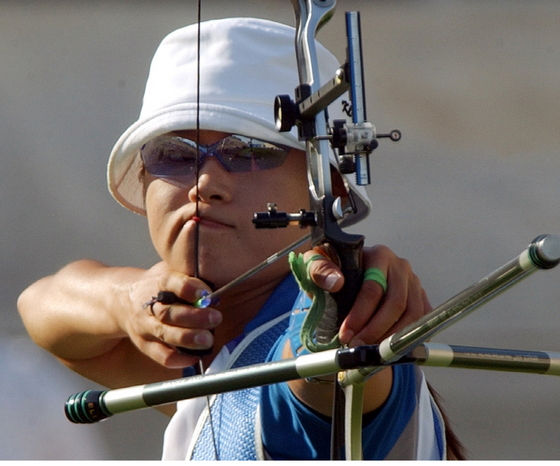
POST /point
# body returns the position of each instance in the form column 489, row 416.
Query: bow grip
column 349, row 254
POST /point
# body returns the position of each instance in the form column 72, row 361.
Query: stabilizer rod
column 542, row 253
column 405, row 347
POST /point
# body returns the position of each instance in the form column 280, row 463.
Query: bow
column 353, row 143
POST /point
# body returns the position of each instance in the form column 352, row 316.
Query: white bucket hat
column 245, row 63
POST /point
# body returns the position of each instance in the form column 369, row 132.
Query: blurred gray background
column 473, row 85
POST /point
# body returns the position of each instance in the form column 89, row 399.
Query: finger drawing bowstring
column 353, row 142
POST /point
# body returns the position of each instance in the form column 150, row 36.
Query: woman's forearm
column 74, row 313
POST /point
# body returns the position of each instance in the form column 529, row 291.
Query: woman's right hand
column 157, row 329
column 92, row 318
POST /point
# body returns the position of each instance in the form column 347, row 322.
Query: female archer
column 204, row 156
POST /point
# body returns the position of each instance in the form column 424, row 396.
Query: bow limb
column 354, row 397
column 309, row 17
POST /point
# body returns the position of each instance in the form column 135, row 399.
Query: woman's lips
column 208, row 222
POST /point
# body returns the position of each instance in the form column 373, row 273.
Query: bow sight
column 351, row 142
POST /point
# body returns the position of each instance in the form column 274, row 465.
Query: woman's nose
column 214, row 182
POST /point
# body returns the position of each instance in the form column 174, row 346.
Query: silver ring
column 150, row 304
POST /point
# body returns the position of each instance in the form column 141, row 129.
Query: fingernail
column 331, row 279
column 214, row 317
column 203, row 339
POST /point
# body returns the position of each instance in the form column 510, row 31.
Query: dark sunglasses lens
column 167, row 157
column 243, row 154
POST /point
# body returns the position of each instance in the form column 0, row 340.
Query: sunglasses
column 173, row 156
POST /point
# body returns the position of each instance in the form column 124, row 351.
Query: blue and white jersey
column 271, row 423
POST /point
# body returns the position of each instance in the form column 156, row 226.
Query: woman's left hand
column 376, row 314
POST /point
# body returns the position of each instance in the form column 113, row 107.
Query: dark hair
column 455, row 449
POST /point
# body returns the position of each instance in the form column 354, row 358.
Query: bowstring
column 197, row 137
column 197, row 207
